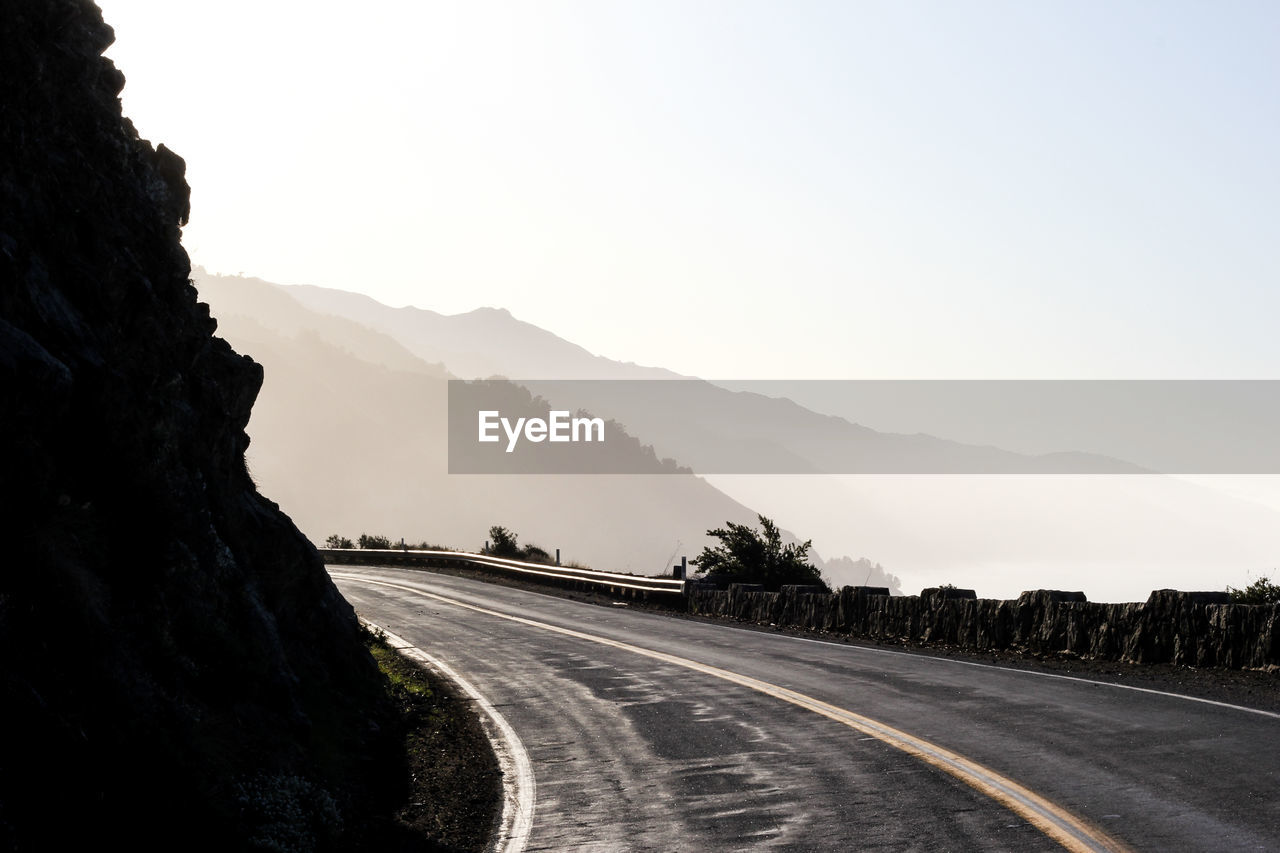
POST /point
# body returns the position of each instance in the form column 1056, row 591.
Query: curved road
column 652, row 733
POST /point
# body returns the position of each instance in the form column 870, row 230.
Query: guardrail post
column 557, row 556
column 680, row 572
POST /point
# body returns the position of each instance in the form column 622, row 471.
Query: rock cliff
column 174, row 661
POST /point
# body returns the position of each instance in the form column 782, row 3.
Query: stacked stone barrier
column 1203, row 629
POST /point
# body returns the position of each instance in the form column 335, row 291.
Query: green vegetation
column 368, row 541
column 1261, row 591
column 452, row 786
column 747, row 556
column 534, row 554
column 286, row 812
column 424, row 545
column 505, row 543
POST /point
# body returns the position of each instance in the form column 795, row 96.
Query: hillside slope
column 352, row 443
column 1116, row 537
column 706, row 426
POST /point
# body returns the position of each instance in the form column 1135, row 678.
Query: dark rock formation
column 172, row 652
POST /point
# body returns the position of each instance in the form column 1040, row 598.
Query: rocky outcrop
column 170, row 645
column 1185, row 628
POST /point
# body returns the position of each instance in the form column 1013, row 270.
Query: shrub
column 288, row 813
column 747, row 556
column 336, row 541
column 1261, row 591
column 534, row 554
column 503, row 543
column 368, row 541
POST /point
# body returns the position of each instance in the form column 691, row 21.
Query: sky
column 768, row 190
column 744, row 189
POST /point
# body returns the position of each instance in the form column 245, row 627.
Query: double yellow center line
column 1071, row 832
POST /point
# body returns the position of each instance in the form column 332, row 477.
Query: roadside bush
column 336, row 541
column 1261, row 591
column 747, row 556
column 503, row 543
column 368, row 541
column 429, row 546
column 287, row 813
column 534, row 554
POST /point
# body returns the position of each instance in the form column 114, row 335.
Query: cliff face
column 171, row 650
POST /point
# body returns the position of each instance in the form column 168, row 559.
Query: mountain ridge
column 720, row 430
column 1114, row 536
column 308, row 392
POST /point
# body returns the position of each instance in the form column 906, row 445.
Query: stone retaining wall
column 1188, row 628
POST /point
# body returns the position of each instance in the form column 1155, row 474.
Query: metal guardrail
column 671, row 586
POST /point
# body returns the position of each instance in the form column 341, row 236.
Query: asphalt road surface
column 647, row 732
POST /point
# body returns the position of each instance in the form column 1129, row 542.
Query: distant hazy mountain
column 476, row 345
column 349, row 436
column 1114, row 537
column 270, row 307
column 705, row 426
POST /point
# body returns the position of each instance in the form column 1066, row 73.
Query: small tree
column 747, row 556
column 502, row 542
column 336, row 541
column 368, row 541
column 1261, row 591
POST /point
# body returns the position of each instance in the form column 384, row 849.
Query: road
column 647, row 732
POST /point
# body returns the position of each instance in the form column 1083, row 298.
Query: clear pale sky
column 750, row 190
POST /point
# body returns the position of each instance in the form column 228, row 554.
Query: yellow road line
column 1072, row 832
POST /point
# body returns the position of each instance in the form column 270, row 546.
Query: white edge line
column 518, row 784
column 856, row 646
column 925, row 655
